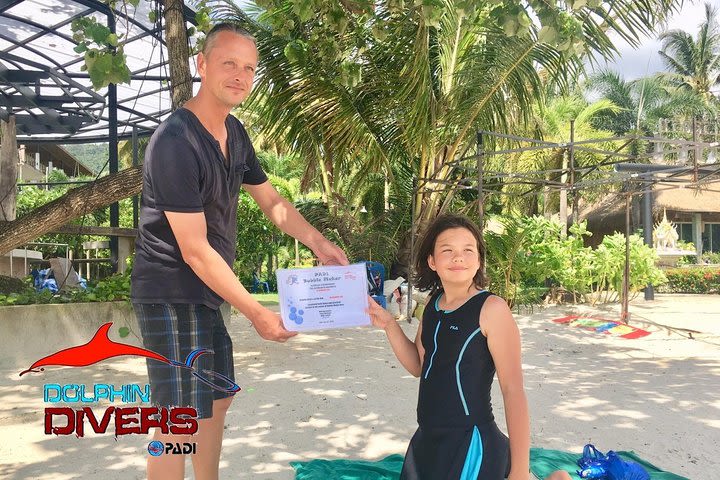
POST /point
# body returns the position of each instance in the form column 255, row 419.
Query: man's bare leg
column 206, row 462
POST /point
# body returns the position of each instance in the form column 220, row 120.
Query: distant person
column 195, row 164
column 465, row 336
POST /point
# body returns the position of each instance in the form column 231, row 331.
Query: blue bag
column 596, row 466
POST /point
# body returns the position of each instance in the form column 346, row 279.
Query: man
column 195, row 164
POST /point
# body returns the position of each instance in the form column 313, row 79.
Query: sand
column 342, row 394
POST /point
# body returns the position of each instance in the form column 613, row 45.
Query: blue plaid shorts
column 175, row 330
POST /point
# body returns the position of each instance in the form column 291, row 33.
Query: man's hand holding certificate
column 323, row 297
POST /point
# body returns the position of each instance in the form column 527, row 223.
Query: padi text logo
column 157, row 448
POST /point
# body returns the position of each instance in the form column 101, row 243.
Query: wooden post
column 563, row 193
column 625, row 315
column 8, row 169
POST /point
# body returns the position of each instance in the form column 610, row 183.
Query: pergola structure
column 635, row 172
column 43, row 86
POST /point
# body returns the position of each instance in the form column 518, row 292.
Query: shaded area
column 342, row 395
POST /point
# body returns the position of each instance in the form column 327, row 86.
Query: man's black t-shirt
column 185, row 171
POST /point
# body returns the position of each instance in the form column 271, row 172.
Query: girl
column 465, row 336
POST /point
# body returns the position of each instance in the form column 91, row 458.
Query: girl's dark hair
column 425, row 277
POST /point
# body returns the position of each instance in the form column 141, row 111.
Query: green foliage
column 255, row 238
column 367, row 238
column 710, row 257
column 92, row 155
column 532, row 252
column 12, row 285
column 289, row 167
column 692, row 280
column 105, row 59
column 358, row 87
column 30, row 198
column 694, row 63
column 609, row 263
column 103, row 51
column 261, row 246
column 113, row 288
column 110, row 289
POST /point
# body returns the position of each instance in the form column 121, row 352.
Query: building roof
column 61, row 159
column 689, row 199
column 681, row 198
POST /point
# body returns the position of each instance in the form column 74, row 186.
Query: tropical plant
column 694, row 63
column 532, row 177
column 639, row 102
column 261, row 246
column 110, row 289
column 608, row 261
column 533, row 252
column 360, row 86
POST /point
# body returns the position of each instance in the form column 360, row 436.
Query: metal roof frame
column 42, row 84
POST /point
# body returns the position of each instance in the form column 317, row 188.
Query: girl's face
column 455, row 257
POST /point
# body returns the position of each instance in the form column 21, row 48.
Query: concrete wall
column 31, row 332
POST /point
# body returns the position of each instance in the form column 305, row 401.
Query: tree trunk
column 110, row 189
column 8, row 169
column 77, row 202
column 178, row 53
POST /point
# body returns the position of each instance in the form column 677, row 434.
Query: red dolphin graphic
column 98, row 349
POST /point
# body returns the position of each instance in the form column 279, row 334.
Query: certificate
column 323, row 297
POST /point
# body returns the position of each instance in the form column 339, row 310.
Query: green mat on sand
column 542, row 463
column 386, row 469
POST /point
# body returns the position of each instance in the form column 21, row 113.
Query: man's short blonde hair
column 211, row 37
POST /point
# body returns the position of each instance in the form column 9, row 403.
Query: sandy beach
column 342, row 394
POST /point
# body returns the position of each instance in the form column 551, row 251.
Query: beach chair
column 258, row 284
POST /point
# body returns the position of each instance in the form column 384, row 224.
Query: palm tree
column 405, row 88
column 644, row 103
column 694, row 62
column 640, row 102
column 542, row 168
column 427, row 84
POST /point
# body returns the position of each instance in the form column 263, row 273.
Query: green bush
column 12, row 285
column 113, row 288
column 608, row 262
column 692, row 280
column 711, row 257
column 532, row 252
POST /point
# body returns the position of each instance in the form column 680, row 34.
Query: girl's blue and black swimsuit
column 457, row 437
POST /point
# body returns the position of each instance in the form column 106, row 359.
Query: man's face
column 227, row 70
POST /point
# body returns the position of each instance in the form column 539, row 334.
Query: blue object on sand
column 545, row 461
column 596, row 466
